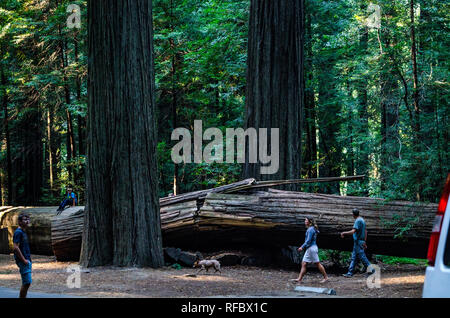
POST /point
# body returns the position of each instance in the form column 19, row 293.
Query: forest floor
column 402, row 280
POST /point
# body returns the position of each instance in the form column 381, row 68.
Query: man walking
column 22, row 253
column 359, row 233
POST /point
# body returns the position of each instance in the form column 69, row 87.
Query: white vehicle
column 437, row 277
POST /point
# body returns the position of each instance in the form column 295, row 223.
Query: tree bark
column 31, row 165
column 51, row 150
column 363, row 161
column 122, row 223
column 174, row 79
column 389, row 108
column 81, row 122
column 276, row 218
column 417, row 110
column 414, row 65
column 8, row 189
column 389, row 127
column 275, row 90
column 310, row 108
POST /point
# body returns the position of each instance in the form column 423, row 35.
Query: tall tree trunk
column 50, row 149
column 275, row 92
column 330, row 150
column 122, row 221
column 2, row 187
column 389, row 128
column 310, row 108
column 350, row 155
column 414, row 65
column 416, row 127
column 424, row 29
column 362, row 164
column 32, row 154
column 174, row 96
column 70, row 142
column 9, row 188
column 81, row 122
column 389, row 107
column 81, row 126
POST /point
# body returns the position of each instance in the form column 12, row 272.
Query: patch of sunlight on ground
column 206, row 278
column 418, row 279
column 8, row 276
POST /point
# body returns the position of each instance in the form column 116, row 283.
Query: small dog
column 206, row 264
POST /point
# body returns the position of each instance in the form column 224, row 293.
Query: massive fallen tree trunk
column 239, row 215
column 276, row 218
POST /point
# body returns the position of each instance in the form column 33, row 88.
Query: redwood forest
column 347, row 101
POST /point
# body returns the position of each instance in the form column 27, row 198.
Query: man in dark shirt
column 22, row 253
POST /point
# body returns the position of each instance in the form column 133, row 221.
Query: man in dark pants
column 359, row 233
column 22, row 253
column 71, row 200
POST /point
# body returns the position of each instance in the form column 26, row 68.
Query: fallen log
column 67, row 232
column 39, row 232
column 199, row 195
column 240, row 215
column 275, row 219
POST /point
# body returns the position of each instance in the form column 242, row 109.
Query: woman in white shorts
column 311, row 250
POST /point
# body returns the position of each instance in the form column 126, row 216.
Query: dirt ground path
column 51, row 277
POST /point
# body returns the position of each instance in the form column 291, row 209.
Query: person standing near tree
column 22, row 254
column 311, row 250
column 359, row 233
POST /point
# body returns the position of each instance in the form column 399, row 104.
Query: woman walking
column 311, row 250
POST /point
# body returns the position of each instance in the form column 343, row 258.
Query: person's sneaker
column 348, row 275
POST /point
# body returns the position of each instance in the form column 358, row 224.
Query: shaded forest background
column 375, row 99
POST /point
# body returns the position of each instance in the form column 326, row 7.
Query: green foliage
column 340, row 259
column 43, row 61
column 176, row 266
column 393, row 260
column 360, row 80
column 200, row 54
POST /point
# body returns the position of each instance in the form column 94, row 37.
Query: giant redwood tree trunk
column 122, row 223
column 275, row 90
